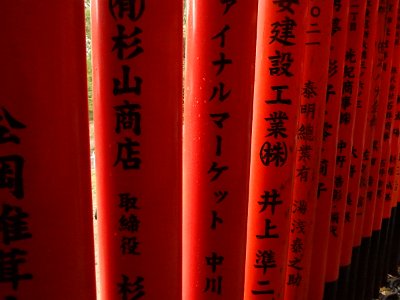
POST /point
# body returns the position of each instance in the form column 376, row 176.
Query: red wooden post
column 379, row 103
column 46, row 223
column 381, row 219
column 277, row 94
column 358, row 182
column 138, row 98
column 328, row 151
column 391, row 133
column 220, row 57
column 344, row 144
column 356, row 154
column 318, row 28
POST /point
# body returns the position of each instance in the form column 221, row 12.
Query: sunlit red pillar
column 219, row 76
column 46, row 229
column 276, row 97
column 328, row 150
column 137, row 57
column 318, row 28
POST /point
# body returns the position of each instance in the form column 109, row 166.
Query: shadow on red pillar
column 46, row 227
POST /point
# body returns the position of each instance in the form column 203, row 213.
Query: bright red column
column 46, row 227
column 318, row 28
column 280, row 45
column 328, row 150
column 219, row 78
column 137, row 57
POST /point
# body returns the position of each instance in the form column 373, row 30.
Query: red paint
column 328, row 152
column 272, row 178
column 345, row 136
column 308, row 148
column 139, row 204
column 44, row 112
column 215, row 204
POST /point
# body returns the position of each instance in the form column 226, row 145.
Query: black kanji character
column 279, row 100
column 9, row 267
column 219, row 90
column 333, row 67
column 276, row 121
column 302, row 173
column 350, row 56
column 339, row 181
column 221, row 35
column 298, row 226
column 308, row 109
column 265, row 260
column 336, row 26
column 129, row 245
column 270, row 199
column 340, row 160
column 294, row 263
column 228, row 4
column 127, row 202
column 133, row 290
column 127, row 117
column 274, row 153
column 215, row 220
column 221, row 195
column 294, row 279
column 347, row 88
column 130, row 223
column 309, row 90
column 263, row 292
column 214, row 261
column 221, row 62
column 11, row 170
column 321, row 188
column 133, row 8
column 327, row 133
column 300, row 206
column 217, row 170
column 305, row 132
column 286, row 5
column 218, row 151
column 345, row 118
column 130, row 160
column 346, row 103
column 214, row 285
column 348, row 72
column 219, row 119
column 281, row 63
column 121, row 42
column 323, row 167
column 282, row 32
column 126, row 88
column 304, row 152
column 13, row 224
column 267, row 234
column 329, row 92
column 5, row 132
column 297, row 245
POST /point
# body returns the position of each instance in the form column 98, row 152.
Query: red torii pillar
column 137, row 76
column 46, row 223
